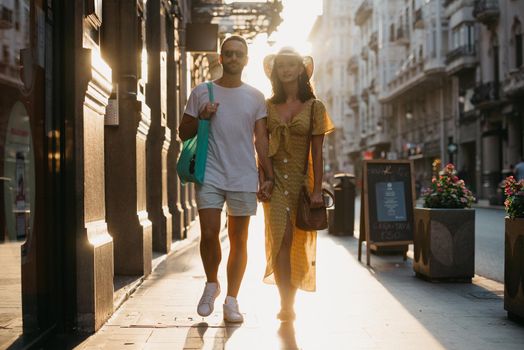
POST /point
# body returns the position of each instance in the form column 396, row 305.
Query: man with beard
column 237, row 127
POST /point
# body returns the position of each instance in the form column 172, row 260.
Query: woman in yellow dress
column 291, row 252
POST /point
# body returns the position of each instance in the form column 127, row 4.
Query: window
column 518, row 48
column 517, row 32
column 17, row 15
column 495, row 53
column 463, row 35
column 5, row 56
column 407, row 20
column 434, row 42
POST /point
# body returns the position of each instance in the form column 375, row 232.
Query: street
column 382, row 307
column 489, row 241
column 489, row 245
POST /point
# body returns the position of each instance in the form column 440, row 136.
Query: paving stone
column 355, row 307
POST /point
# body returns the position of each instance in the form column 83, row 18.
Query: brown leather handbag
column 308, row 218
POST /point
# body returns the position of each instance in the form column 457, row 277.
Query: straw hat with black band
column 269, row 61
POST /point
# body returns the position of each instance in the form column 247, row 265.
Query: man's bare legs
column 237, row 228
column 283, row 276
column 211, row 255
column 210, row 250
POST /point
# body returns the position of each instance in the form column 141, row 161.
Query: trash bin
column 344, row 212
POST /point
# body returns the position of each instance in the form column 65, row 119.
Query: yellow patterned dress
column 287, row 149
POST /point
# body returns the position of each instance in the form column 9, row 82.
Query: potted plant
column 514, row 248
column 444, row 239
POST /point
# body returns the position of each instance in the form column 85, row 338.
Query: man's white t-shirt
column 231, row 164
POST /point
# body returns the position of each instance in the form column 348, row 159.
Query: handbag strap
column 309, row 138
column 210, row 91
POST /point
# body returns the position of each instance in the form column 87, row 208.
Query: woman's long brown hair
column 305, row 91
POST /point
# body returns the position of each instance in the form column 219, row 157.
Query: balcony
column 514, row 84
column 486, row 11
column 414, row 74
column 363, row 12
column 9, row 74
column 6, row 18
column 353, row 64
column 353, row 102
column 380, row 138
column 364, row 53
column 418, row 20
column 486, row 95
column 373, row 41
column 453, row 7
column 402, row 36
column 365, row 95
column 461, row 58
column 372, row 86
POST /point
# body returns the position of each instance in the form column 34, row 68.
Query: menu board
column 387, row 204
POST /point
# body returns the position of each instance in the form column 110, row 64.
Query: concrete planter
column 444, row 244
column 514, row 268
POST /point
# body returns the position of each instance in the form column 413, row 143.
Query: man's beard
column 233, row 71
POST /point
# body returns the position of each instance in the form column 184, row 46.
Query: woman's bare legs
column 283, row 276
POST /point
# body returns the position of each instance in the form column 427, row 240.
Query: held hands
column 208, row 111
column 265, row 190
column 317, row 199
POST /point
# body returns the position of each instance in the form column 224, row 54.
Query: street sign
column 387, row 202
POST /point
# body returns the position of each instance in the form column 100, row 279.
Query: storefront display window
column 18, row 175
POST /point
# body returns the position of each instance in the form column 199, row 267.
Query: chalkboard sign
column 387, row 204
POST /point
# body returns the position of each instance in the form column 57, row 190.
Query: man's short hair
column 234, row 38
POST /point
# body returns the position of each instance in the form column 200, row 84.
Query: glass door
column 29, row 150
column 17, row 172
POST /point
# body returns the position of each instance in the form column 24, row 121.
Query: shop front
column 34, row 297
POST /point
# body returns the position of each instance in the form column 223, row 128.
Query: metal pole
column 442, row 126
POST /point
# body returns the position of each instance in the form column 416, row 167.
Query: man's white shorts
column 238, row 203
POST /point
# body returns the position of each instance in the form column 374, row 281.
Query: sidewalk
column 10, row 293
column 355, row 307
column 484, row 203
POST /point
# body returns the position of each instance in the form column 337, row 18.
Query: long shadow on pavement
column 457, row 315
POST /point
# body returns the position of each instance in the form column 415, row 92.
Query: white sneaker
column 207, row 301
column 231, row 311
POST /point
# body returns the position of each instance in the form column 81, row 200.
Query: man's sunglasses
column 230, row 53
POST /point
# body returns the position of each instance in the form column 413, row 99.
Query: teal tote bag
column 191, row 165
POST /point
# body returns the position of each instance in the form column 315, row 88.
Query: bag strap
column 210, row 91
column 308, row 148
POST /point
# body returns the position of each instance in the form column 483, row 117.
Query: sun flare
column 298, row 19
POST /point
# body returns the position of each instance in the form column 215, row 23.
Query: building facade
column 370, row 66
column 332, row 45
column 417, row 90
column 498, row 90
column 91, row 95
column 462, row 64
column 434, row 81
